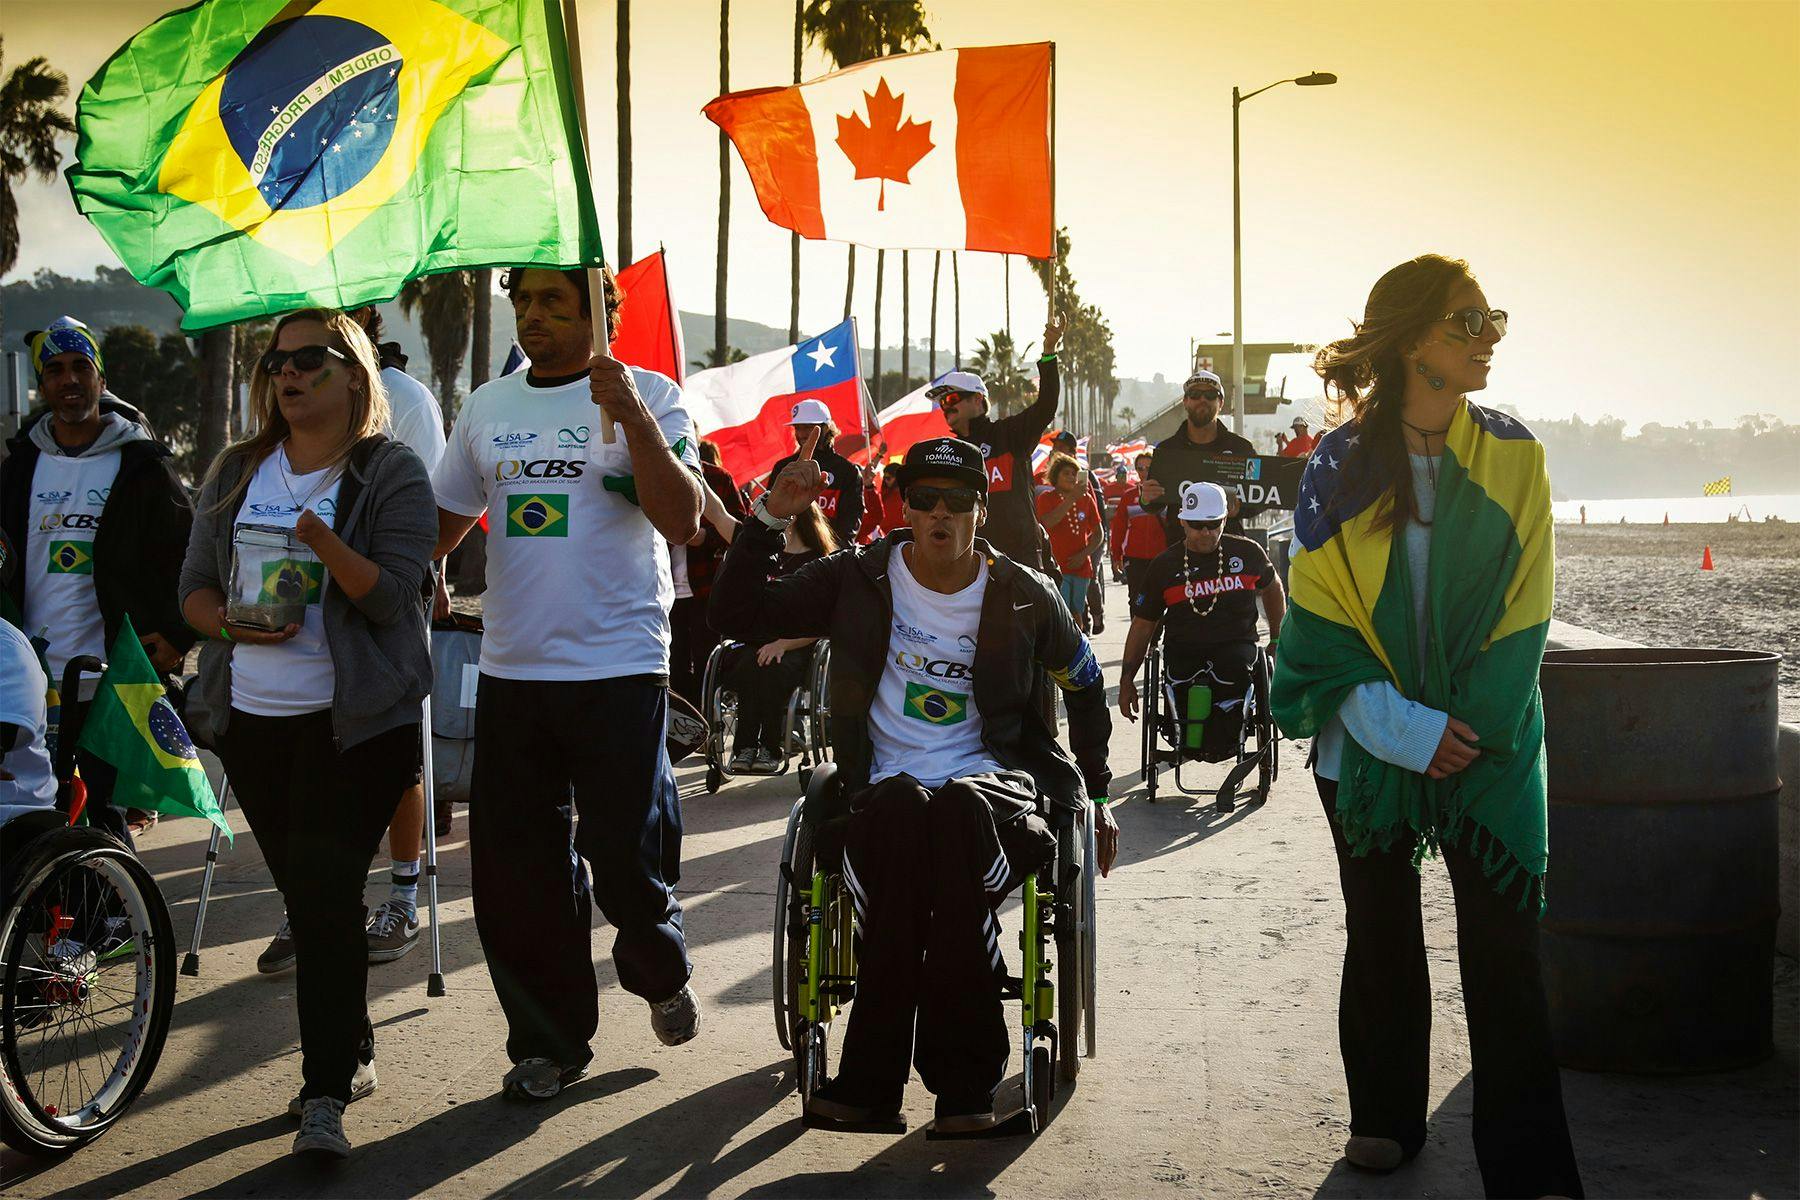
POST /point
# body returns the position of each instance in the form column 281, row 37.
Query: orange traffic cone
column 1706, row 559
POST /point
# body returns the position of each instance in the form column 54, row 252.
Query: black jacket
column 142, row 538
column 1006, row 444
column 1177, row 460
column 1025, row 634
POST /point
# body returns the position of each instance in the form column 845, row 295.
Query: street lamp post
column 1316, row 79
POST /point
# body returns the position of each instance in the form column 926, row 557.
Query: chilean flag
column 914, row 417
column 745, row 407
column 947, row 150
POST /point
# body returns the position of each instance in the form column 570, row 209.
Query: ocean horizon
column 1679, row 509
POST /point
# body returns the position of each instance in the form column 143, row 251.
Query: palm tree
column 719, row 343
column 624, row 89
column 715, row 359
column 30, row 123
column 445, row 306
column 218, row 347
column 999, row 363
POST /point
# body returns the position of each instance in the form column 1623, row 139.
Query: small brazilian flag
column 285, row 581
column 254, row 156
column 133, row 726
column 934, row 704
column 540, row 514
column 1718, row 487
column 71, row 558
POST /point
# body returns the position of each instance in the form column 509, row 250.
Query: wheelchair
column 814, row 965
column 805, row 728
column 1165, row 732
column 87, row 970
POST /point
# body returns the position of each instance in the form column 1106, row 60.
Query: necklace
column 300, row 503
column 1426, row 435
column 1187, row 571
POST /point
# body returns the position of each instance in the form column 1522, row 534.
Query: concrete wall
column 1564, row 636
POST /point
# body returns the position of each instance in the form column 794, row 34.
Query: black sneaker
column 279, row 955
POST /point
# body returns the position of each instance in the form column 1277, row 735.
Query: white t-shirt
column 578, row 578
column 924, row 721
column 414, row 417
column 293, row 677
column 67, row 495
column 22, row 690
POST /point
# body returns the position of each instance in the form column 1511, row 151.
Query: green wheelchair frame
column 814, row 964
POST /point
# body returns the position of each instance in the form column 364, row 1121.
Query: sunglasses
column 957, row 499
column 952, row 399
column 1206, row 394
column 306, row 358
column 1475, row 320
column 1205, row 525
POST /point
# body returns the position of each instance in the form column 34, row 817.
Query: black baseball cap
column 951, row 458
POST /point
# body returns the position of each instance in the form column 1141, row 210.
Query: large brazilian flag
column 1489, row 583
column 255, row 156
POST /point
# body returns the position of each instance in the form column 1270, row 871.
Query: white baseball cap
column 1299, row 423
column 810, row 412
column 1202, row 502
column 1203, row 376
column 956, row 381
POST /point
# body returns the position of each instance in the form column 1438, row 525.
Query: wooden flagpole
column 595, row 279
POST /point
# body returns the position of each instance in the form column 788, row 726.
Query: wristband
column 1050, row 357
column 1099, row 801
column 761, row 512
column 225, row 633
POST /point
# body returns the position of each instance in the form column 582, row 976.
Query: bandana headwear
column 66, row 335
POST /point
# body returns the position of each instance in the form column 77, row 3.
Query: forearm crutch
column 191, row 964
column 434, row 985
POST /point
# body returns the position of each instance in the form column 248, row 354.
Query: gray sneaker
column 539, row 1079
column 361, row 1084
column 677, row 1019
column 322, row 1129
column 279, row 955
column 393, row 930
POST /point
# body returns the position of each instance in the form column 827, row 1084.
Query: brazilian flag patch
column 285, row 581
column 935, row 705
column 538, row 514
column 71, row 558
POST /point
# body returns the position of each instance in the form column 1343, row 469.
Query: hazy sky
column 1624, row 177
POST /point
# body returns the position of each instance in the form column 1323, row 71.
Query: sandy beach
column 1644, row 583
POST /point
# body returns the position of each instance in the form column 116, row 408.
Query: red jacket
column 1299, row 447
column 1135, row 532
column 872, row 515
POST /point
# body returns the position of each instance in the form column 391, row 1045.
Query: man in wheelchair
column 940, row 649
column 1203, row 594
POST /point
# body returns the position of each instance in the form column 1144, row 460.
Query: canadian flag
column 745, row 407
column 914, row 417
column 946, row 150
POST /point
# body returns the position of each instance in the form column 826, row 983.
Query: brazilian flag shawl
column 1351, row 620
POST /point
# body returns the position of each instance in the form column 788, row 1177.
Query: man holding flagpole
column 573, row 691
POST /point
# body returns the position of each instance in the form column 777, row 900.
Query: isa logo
column 515, row 439
column 55, row 497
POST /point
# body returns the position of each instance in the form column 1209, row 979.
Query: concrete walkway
column 1218, row 1074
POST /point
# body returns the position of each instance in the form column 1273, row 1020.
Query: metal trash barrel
column 1658, row 939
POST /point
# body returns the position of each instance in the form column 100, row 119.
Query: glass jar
column 274, row 576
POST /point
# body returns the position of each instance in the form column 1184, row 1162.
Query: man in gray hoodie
column 100, row 521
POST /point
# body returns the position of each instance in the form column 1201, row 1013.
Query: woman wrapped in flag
column 1421, row 588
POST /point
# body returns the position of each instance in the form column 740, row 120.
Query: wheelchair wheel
column 87, row 987
column 818, row 722
column 794, row 959
column 1090, row 940
column 1268, row 737
column 1150, row 714
column 714, row 779
column 781, row 986
column 719, row 710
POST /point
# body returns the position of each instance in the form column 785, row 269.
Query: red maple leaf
column 883, row 148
